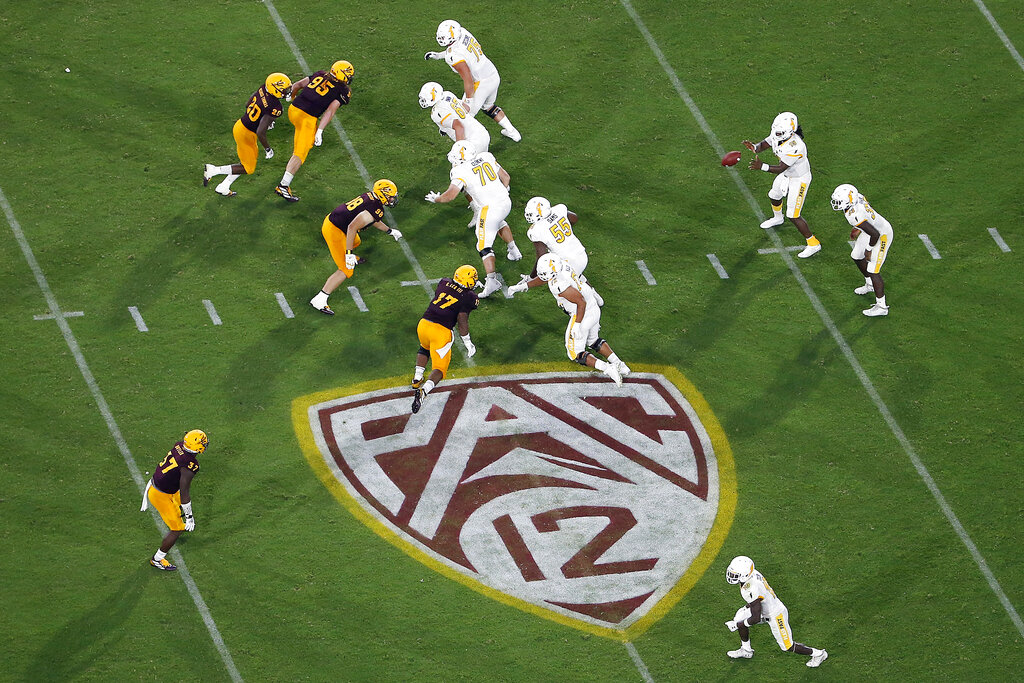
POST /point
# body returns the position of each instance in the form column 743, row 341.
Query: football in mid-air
column 731, row 159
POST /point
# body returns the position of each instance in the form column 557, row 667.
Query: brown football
column 855, row 233
column 731, row 158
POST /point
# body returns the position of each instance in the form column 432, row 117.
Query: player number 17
column 449, row 300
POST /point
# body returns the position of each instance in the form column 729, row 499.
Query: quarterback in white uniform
column 874, row 237
column 792, row 176
column 762, row 606
column 451, row 118
column 480, row 79
column 486, row 182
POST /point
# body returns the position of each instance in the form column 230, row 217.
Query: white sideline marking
column 999, row 32
column 212, row 311
column 416, row 283
column 930, row 247
column 717, row 265
column 66, row 314
column 646, row 273
column 999, row 240
column 140, row 324
column 641, row 667
column 115, row 432
column 340, row 130
column 776, row 251
column 358, row 298
column 840, row 340
column 283, row 303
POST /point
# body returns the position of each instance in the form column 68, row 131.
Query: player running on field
column 453, row 301
column 874, row 237
column 486, row 182
column 341, row 232
column 264, row 106
column 168, row 491
column 792, row 176
column 762, row 606
column 322, row 93
column 451, row 118
column 480, row 79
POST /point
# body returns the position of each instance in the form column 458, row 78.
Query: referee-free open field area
column 534, row 522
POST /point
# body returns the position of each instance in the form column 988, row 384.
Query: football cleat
column 742, row 653
column 165, row 566
column 225, row 193
column 777, row 219
column 816, row 660
column 416, row 383
column 876, row 311
column 491, row 285
column 513, row 253
column 515, row 135
column 623, row 368
column 208, row 172
column 417, row 400
column 326, row 310
column 286, row 192
column 864, row 289
column 612, row 370
column 809, row 250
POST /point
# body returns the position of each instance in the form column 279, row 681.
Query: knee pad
column 596, row 346
column 581, row 358
column 493, row 111
column 423, row 352
column 485, row 252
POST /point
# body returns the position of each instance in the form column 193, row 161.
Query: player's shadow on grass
column 72, row 650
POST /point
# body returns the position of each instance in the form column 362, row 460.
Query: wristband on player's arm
column 187, row 508
column 764, row 166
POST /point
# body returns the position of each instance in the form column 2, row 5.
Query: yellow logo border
column 708, row 553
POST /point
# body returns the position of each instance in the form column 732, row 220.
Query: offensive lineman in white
column 762, row 605
column 874, row 237
column 486, row 182
column 451, row 118
column 792, row 176
column 480, row 79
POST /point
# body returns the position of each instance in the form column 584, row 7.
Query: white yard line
column 212, row 312
column 140, row 324
column 798, row 247
column 717, row 265
column 115, row 431
column 930, row 247
column 417, row 283
column 283, row 303
column 65, row 314
column 358, row 298
column 645, row 271
column 999, row 240
column 999, row 32
column 640, row 666
column 830, row 325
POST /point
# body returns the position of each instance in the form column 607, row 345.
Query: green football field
column 870, row 467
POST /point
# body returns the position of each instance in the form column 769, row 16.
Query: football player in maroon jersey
column 168, row 492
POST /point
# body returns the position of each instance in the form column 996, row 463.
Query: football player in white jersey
column 873, row 236
column 762, row 606
column 551, row 231
column 480, row 79
column 792, row 176
column 451, row 118
column 486, row 182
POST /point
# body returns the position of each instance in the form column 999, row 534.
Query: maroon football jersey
column 346, row 213
column 167, row 475
column 320, row 92
column 450, row 299
column 260, row 104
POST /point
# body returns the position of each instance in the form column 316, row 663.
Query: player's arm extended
column 504, row 177
column 573, row 295
column 358, row 223
column 756, row 147
column 186, row 482
column 755, row 607
column 463, row 323
column 299, row 85
column 460, row 130
column 328, row 114
column 451, row 193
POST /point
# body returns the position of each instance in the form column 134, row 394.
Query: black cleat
column 417, row 401
column 417, row 383
column 326, row 310
column 162, row 565
column 286, row 192
column 360, row 260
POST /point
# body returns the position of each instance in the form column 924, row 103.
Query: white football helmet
column 448, row 32
column 784, row 125
column 430, row 93
column 548, row 266
column 536, row 208
column 740, row 569
column 462, row 151
column 843, row 197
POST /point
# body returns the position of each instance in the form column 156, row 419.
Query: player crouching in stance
column 168, row 491
column 792, row 176
column 453, row 301
column 341, row 232
column 874, row 237
column 580, row 301
column 762, row 605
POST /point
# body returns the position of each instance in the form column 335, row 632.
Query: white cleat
column 623, row 368
column 208, row 172
column 513, row 134
column 876, row 311
column 491, row 285
column 864, row 289
column 777, row 219
column 809, row 250
column 513, row 253
column 816, row 661
column 742, row 653
column 612, row 371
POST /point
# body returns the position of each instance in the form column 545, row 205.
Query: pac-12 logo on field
column 593, row 505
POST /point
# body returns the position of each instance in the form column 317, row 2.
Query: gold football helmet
column 278, row 84
column 343, row 71
column 196, row 441
column 386, row 191
column 466, row 276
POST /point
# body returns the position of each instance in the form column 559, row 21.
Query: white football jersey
column 449, row 109
column 555, row 231
column 565, row 279
column 479, row 178
column 467, row 49
column 756, row 588
column 861, row 211
column 793, row 153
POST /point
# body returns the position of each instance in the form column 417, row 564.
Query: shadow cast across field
column 72, row 649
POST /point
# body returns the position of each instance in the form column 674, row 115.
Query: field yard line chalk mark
column 416, row 283
column 797, row 247
column 140, row 324
column 283, row 303
column 930, row 247
column 358, row 298
column 212, row 312
column 51, row 316
column 999, row 32
column 645, row 271
column 869, row 386
column 1003, row 246
column 640, row 666
column 115, row 431
column 357, row 160
column 717, row 265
